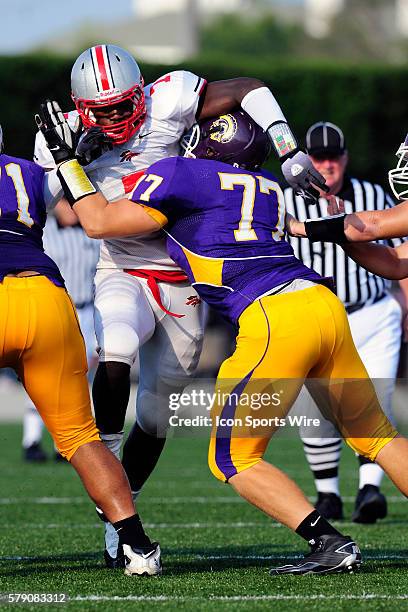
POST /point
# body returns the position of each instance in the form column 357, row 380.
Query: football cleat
column 370, row 505
column 329, row 506
column 330, row 554
column 142, row 562
column 35, row 453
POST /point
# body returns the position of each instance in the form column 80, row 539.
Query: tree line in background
column 367, row 102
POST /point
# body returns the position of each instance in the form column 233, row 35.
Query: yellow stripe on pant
column 284, row 339
column 41, row 340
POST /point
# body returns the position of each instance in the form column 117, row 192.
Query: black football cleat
column 330, row 554
column 329, row 506
column 370, row 505
column 114, row 562
column 35, row 453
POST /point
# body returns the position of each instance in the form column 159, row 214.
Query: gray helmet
column 107, row 75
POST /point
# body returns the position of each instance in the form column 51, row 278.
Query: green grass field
column 216, row 549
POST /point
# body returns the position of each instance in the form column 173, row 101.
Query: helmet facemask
column 119, row 131
column 398, row 176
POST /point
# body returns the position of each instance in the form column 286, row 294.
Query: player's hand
column 61, row 140
column 90, row 145
column 335, row 205
column 303, row 177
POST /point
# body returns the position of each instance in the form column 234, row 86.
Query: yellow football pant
column 41, row 340
column 283, row 340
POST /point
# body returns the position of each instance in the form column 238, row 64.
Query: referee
column 374, row 317
column 76, row 256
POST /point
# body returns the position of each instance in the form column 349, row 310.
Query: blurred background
column 343, row 61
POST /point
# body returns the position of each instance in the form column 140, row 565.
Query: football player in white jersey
column 126, row 128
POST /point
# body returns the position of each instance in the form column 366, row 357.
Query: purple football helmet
column 233, row 138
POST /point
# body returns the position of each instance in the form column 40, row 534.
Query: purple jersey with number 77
column 225, row 228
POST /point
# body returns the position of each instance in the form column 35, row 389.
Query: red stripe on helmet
column 102, row 67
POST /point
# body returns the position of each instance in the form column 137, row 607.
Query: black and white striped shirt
column 355, row 285
column 76, row 255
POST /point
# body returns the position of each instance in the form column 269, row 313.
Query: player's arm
column 103, row 219
column 364, row 226
column 259, row 102
column 388, row 262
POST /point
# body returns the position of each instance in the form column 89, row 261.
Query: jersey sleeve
column 42, row 154
column 157, row 190
column 176, row 96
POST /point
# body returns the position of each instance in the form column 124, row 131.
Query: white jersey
column 171, row 104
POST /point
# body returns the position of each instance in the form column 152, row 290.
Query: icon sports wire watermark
column 261, row 407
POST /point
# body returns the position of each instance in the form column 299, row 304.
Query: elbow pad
column 327, row 229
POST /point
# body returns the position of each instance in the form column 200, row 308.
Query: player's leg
column 123, row 322
column 278, row 337
column 322, row 446
column 167, row 362
column 379, row 352
column 32, row 434
column 353, row 405
column 53, row 370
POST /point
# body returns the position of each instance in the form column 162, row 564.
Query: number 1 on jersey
column 23, row 201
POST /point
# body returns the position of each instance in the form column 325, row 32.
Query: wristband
column 327, row 229
column 74, row 181
column 282, row 139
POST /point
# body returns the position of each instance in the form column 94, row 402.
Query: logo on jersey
column 223, row 129
column 127, row 155
column 193, row 300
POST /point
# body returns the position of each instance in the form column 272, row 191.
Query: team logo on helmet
column 223, row 129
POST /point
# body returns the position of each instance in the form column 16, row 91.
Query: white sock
column 370, row 474
column 113, row 442
column 328, row 485
column 32, row 427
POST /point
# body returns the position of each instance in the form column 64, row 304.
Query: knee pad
column 119, row 342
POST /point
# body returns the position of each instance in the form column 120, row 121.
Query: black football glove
column 61, row 139
column 300, row 173
column 91, row 145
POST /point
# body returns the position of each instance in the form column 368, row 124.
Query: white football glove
column 301, row 175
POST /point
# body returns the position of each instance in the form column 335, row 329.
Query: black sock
column 314, row 526
column 130, row 531
column 141, row 452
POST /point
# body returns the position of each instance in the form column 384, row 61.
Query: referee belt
column 165, row 276
column 356, row 307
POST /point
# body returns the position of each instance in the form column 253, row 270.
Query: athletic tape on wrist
column 74, row 181
column 282, row 138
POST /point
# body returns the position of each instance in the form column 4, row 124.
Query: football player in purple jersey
column 41, row 340
column 225, row 222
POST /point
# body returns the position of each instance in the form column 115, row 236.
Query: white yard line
column 216, row 499
column 232, row 598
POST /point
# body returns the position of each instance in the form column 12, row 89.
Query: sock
column 113, row 441
column 141, row 452
column 314, row 526
column 323, row 456
column 328, row 485
column 130, row 531
column 32, row 427
column 370, row 473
